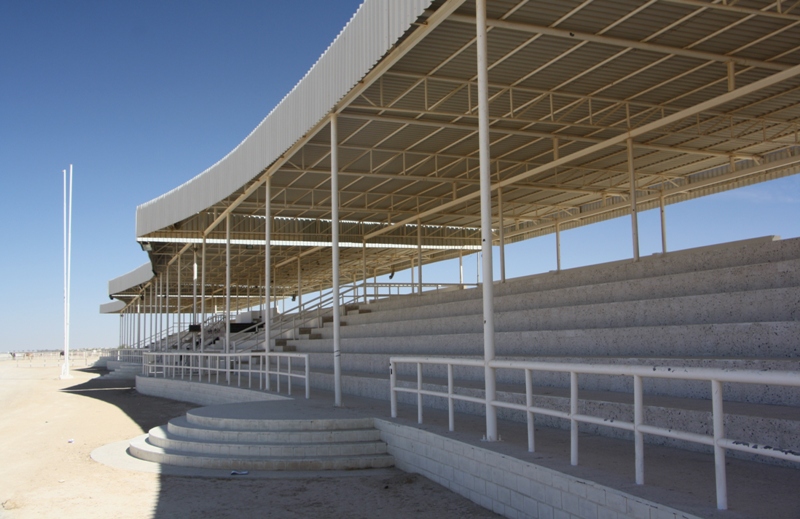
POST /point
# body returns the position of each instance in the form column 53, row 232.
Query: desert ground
column 49, row 428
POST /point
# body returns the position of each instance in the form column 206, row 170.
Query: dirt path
column 49, row 427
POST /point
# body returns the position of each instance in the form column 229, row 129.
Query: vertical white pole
column 65, row 374
column 161, row 342
column 166, row 312
column 502, row 235
column 337, row 367
column 634, row 214
column 227, row 284
column 194, row 295
column 638, row 420
column 179, row 309
column 419, row 254
column 267, row 316
column 364, row 264
column 299, row 286
column 663, row 224
column 203, row 296
column 486, row 220
column 719, row 451
column 460, row 267
column 139, row 322
column 558, row 246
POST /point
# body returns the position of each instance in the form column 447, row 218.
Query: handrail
column 715, row 376
column 210, row 365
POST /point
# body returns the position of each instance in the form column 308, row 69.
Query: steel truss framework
column 596, row 109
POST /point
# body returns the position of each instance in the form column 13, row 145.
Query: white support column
column 227, row 283
column 364, row 265
column 166, row 312
column 267, row 316
column 663, row 223
column 558, row 246
column 203, row 296
column 139, row 322
column 159, row 312
column 486, row 219
column 460, row 267
column 337, row 366
column 299, row 285
column 194, row 295
column 502, row 235
column 413, row 284
column 634, row 214
column 151, row 307
column 419, row 255
column 179, row 307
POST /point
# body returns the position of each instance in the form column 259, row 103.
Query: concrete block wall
column 510, row 487
column 198, row 392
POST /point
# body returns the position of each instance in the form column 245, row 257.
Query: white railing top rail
column 713, row 375
column 233, row 365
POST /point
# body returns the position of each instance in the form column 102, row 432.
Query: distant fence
column 51, row 359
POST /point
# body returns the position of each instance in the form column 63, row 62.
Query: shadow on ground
column 387, row 494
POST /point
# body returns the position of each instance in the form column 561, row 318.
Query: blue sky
column 141, row 96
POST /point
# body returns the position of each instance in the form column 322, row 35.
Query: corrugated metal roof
column 574, row 76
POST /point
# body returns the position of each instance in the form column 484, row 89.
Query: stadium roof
column 687, row 97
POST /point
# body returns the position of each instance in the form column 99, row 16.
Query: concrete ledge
column 198, row 392
column 508, row 486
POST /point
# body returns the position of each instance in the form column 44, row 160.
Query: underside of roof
column 591, row 103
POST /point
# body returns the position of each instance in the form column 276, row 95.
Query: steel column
column 227, row 283
column 419, row 255
column 502, row 230
column 486, row 219
column 634, row 214
column 663, row 223
column 267, row 316
column 337, row 366
column 203, row 297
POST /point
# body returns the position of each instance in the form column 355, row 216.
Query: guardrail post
column 289, row 375
column 529, row 404
column 719, row 451
column 638, row 419
column 392, row 385
column 308, row 378
column 419, row 392
column 573, row 411
column 450, row 411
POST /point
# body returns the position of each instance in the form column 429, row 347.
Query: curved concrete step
column 181, row 427
column 161, row 437
column 143, row 449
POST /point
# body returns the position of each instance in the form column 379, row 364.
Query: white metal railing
column 715, row 376
column 127, row 355
column 208, row 366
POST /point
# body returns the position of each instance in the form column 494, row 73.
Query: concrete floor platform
column 679, row 479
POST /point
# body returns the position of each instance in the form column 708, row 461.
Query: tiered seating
column 733, row 306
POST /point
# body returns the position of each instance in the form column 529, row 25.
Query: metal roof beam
column 621, row 42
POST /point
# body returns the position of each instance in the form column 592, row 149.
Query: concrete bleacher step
column 222, row 442
column 764, row 339
column 767, row 249
column 776, row 304
column 727, row 280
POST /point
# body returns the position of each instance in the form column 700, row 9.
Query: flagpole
column 65, row 374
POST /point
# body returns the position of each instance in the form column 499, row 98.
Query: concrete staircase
column 122, row 370
column 236, row 437
column 730, row 306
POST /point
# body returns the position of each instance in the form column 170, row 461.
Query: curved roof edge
column 367, row 37
column 114, row 307
column 133, row 278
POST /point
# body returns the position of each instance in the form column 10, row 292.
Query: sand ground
column 49, row 428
